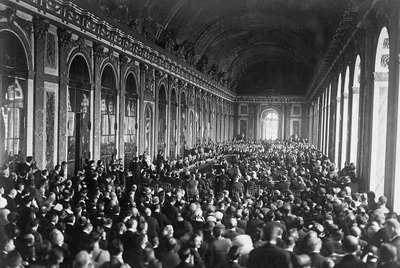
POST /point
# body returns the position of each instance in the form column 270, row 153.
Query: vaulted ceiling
column 251, row 46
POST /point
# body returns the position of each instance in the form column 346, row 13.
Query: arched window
column 270, row 124
column 355, row 103
column 379, row 114
column 14, row 74
column 130, row 119
column 345, row 121
column 78, row 129
column 109, row 110
column 328, row 119
column 338, row 120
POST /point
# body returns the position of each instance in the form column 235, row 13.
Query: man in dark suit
column 153, row 227
column 160, row 217
column 269, row 255
column 392, row 228
column 350, row 260
column 136, row 169
column 27, row 166
column 314, row 245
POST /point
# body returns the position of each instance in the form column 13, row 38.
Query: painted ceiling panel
column 246, row 45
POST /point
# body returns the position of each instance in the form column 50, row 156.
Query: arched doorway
column 355, row 103
column 13, row 74
column 379, row 116
column 162, row 119
column 130, row 119
column 270, row 124
column 173, row 125
column 148, row 130
column 78, row 115
column 345, row 121
column 109, row 108
column 183, row 125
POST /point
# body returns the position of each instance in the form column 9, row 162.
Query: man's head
column 350, row 244
column 382, row 201
column 271, row 232
column 392, row 228
column 313, row 242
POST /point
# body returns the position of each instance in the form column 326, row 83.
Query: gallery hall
column 200, row 133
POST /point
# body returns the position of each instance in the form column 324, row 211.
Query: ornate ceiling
column 251, row 46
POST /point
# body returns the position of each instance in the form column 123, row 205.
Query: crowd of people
column 232, row 204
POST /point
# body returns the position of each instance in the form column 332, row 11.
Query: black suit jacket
column 350, row 261
column 11, row 206
column 318, row 261
column 269, row 255
column 396, row 242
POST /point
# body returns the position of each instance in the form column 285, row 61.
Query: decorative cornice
column 352, row 23
column 122, row 40
column 270, row 99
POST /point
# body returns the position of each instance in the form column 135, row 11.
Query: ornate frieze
column 71, row 13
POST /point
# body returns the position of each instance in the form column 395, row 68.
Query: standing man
column 269, row 255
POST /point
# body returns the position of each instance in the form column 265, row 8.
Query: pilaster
column 64, row 43
column 40, row 30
